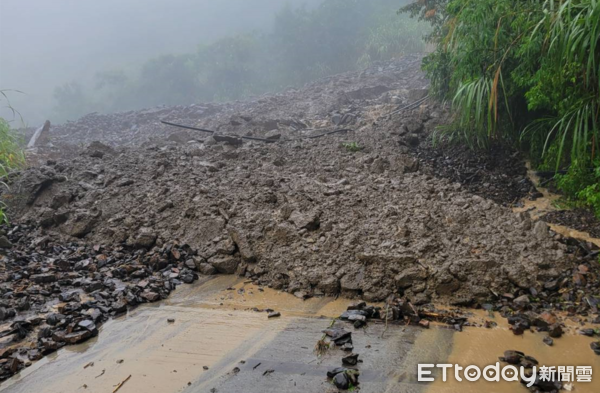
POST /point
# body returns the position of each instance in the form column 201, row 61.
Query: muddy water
column 211, row 322
column 546, row 204
column 216, row 326
column 482, row 347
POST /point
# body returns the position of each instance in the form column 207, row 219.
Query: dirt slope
column 311, row 216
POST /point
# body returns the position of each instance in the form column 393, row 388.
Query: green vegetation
column 526, row 72
column 352, row 146
column 303, row 45
column 11, row 154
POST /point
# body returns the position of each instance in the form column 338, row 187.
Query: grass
column 352, row 146
column 11, row 154
column 525, row 72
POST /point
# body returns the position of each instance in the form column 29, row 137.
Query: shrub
column 523, row 71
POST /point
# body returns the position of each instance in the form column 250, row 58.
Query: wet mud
column 217, row 341
column 124, row 209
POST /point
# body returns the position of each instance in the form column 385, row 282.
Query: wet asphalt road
column 242, row 349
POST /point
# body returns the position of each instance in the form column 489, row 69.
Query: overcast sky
column 44, row 43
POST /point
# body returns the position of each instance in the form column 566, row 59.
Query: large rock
column 310, row 220
column 244, row 248
column 81, row 223
column 225, row 264
column 145, row 238
column 408, row 276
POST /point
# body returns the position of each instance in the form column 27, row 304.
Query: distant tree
column 110, row 79
column 71, row 102
column 169, row 80
column 229, row 68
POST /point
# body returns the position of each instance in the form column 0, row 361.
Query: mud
column 215, row 325
column 577, row 223
column 369, row 212
column 498, row 173
column 164, row 357
column 581, row 220
column 482, row 347
column 309, row 216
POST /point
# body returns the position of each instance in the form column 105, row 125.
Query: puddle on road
column 210, row 324
column 247, row 296
column 215, row 326
column 482, row 347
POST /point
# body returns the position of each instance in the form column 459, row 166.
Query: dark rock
column 89, row 326
column 332, row 373
column 513, row 357
column 119, row 306
column 350, row 360
column 225, row 264
column 77, row 337
column 43, row 278
column 5, row 243
column 341, row 381
column 54, row 319
column 555, row 331
column 190, row 264
column 150, row 296
column 595, row 347
column 522, row 301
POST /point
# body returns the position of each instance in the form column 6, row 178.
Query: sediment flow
column 120, row 209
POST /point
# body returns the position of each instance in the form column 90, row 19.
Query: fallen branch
column 251, row 138
column 188, row 127
column 387, row 308
column 121, row 384
column 328, row 133
column 410, row 106
column 214, row 132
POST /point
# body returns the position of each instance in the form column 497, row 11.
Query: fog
column 99, row 47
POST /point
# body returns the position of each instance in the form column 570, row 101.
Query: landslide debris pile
column 56, row 293
column 309, row 217
column 350, row 213
column 334, row 100
column 142, row 207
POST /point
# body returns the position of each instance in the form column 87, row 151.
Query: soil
column 118, row 210
column 498, row 173
column 583, row 220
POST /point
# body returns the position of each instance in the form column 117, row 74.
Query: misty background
column 73, row 57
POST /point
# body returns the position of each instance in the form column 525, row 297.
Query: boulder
column 225, row 264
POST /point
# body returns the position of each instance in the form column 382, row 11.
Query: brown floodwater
column 547, row 203
column 211, row 323
column 216, row 323
column 216, row 326
column 482, row 347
